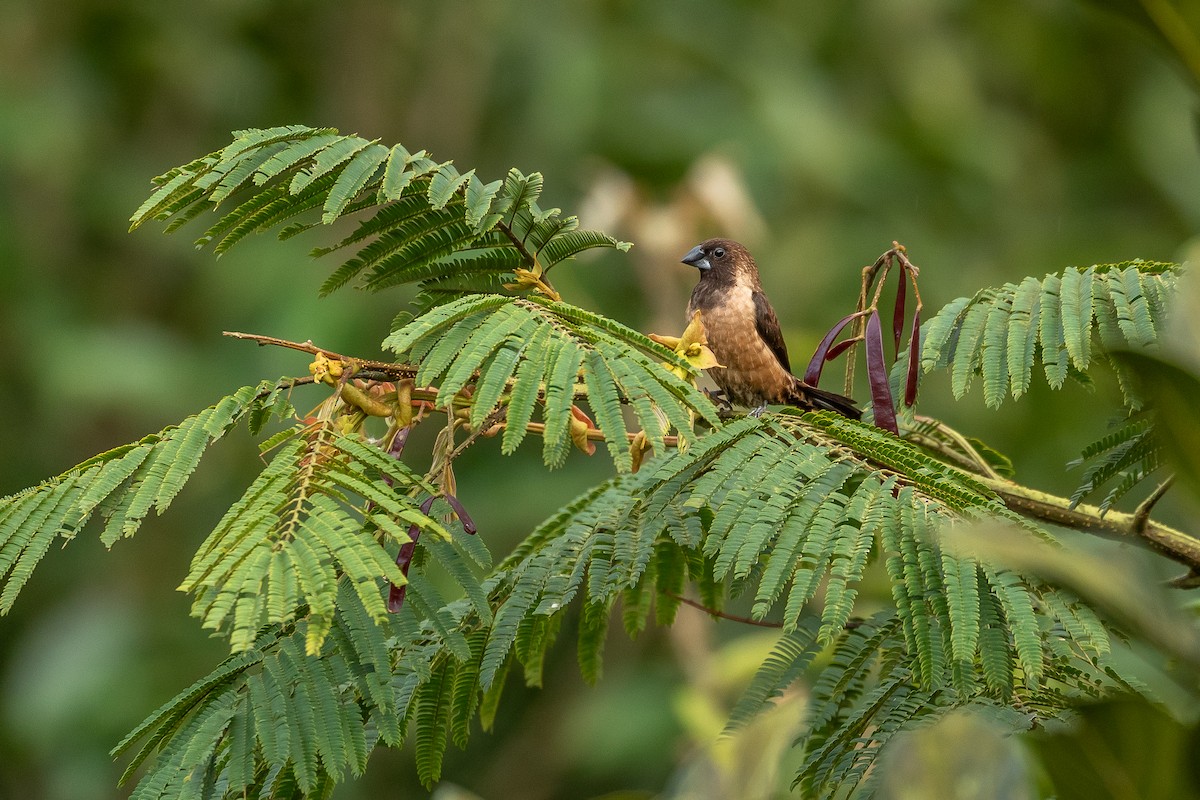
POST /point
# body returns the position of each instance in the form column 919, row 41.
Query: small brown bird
column 744, row 334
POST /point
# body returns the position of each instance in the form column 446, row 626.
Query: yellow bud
column 579, row 431
column 670, row 342
column 638, row 449
column 404, row 415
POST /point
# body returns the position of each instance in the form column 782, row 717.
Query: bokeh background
column 995, row 140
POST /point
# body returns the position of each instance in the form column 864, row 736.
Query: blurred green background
column 994, row 140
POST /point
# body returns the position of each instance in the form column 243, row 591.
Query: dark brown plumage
column 743, row 333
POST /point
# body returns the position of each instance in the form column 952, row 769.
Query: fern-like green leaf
column 483, row 341
column 425, row 213
column 1021, row 619
column 790, row 656
column 1131, row 453
column 1001, row 333
column 1023, row 334
column 1075, row 298
column 298, row 506
column 124, row 484
column 962, row 597
column 352, row 180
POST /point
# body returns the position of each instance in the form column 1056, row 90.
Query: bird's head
column 720, row 260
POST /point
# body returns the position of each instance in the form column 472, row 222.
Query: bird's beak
column 697, row 259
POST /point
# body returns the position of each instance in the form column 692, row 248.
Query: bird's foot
column 758, row 412
column 720, row 398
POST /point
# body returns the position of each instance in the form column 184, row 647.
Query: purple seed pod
column 404, row 560
column 812, row 375
column 877, row 376
column 914, row 361
column 898, row 313
column 463, row 517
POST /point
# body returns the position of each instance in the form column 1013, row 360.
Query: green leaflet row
column 421, row 221
column 761, row 508
column 522, row 355
column 1001, row 334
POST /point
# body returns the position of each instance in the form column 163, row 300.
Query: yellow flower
column 692, row 347
column 328, row 370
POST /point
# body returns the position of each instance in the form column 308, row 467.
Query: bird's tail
column 810, row 397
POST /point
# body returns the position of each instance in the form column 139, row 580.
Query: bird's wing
column 768, row 329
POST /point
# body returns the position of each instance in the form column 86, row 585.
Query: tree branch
column 1174, row 544
column 1136, row 528
column 1141, row 516
column 387, row 369
column 390, row 369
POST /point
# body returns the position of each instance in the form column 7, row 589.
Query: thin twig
column 596, row 435
column 848, row 625
column 427, row 396
column 488, row 421
column 1189, row 580
column 860, row 324
column 942, row 451
column 912, row 270
column 392, row 370
column 722, row 614
column 968, row 449
column 543, row 285
column 386, row 369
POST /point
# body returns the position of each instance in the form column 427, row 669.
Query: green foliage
column 1003, row 333
column 123, row 484
column 786, row 512
column 278, row 720
column 1172, row 390
column 310, row 518
column 805, row 513
column 446, row 231
column 866, row 695
column 519, row 353
column 1131, row 453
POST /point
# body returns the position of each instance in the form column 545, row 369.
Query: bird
column 743, row 333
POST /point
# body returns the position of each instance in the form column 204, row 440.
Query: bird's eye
column 719, row 252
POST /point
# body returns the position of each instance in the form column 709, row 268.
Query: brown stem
column 860, row 324
column 849, row 625
column 488, row 421
column 1190, row 580
column 912, row 271
column 722, row 614
column 542, row 284
column 969, row 454
column 595, row 435
column 876, row 275
column 391, row 370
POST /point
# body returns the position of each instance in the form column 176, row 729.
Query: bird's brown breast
column 752, row 374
